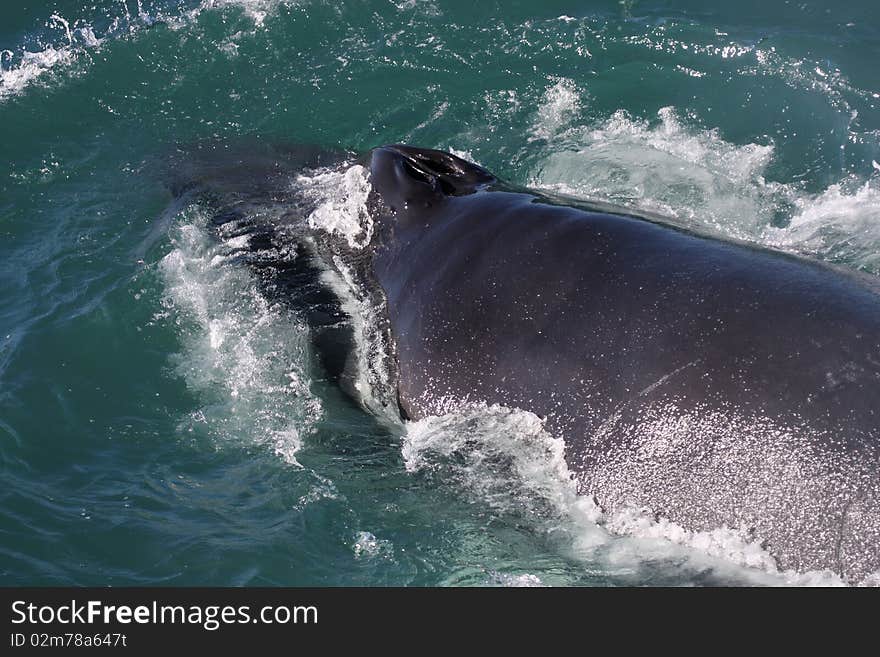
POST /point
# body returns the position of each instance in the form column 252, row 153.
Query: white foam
column 72, row 43
column 702, row 181
column 503, row 458
column 842, row 224
column 426, row 7
column 367, row 545
column 523, row 580
column 372, row 377
column 20, row 72
column 732, row 546
column 246, row 359
column 31, row 66
column 256, row 10
column 560, row 105
column 341, row 203
column 872, row 580
column 466, row 155
column 663, row 166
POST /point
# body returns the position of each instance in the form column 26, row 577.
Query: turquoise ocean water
column 161, row 423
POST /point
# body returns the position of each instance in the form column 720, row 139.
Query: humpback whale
column 706, row 381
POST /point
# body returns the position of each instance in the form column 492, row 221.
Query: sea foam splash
column 366, row 545
column 18, row 72
column 68, row 42
column 340, row 199
column 246, row 359
column 560, row 105
column 694, row 176
column 842, row 224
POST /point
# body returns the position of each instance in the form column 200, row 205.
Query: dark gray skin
column 711, row 382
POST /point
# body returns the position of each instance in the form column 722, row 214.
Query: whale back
column 712, row 383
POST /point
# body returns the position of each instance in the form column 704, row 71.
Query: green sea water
column 162, row 423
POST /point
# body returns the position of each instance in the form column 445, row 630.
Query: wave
column 246, row 359
column 65, row 43
column 669, row 165
column 504, row 458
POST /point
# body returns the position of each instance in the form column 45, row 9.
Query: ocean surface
column 163, row 423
